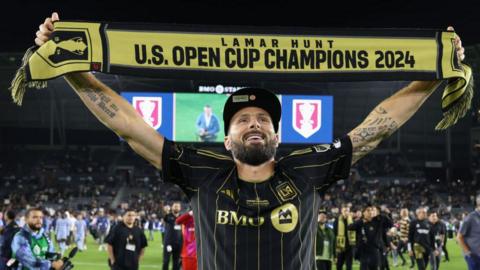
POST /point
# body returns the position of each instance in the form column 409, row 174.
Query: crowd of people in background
column 76, row 189
column 370, row 234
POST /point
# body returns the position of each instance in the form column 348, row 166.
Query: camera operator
column 31, row 246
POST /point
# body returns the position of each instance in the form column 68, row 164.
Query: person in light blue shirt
column 102, row 225
column 31, row 246
column 207, row 125
column 80, row 232
column 62, row 231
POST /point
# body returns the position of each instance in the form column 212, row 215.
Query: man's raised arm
column 110, row 108
column 393, row 112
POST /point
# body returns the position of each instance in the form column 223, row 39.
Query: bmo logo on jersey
column 155, row 109
column 307, row 119
column 284, row 218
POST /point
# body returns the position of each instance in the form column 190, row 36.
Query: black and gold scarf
column 226, row 53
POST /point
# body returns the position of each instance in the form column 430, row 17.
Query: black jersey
column 268, row 225
column 420, row 232
column 438, row 230
column 173, row 231
column 371, row 234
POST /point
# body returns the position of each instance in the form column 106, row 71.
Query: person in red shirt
column 189, row 248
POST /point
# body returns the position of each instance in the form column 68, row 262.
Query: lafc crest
column 286, row 191
column 67, row 46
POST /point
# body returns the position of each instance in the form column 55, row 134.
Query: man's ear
column 277, row 140
column 227, row 142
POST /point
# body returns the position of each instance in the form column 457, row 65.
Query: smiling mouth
column 254, row 137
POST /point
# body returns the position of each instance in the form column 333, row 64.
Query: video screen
column 197, row 117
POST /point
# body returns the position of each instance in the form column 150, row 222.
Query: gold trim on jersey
column 297, row 153
column 191, row 189
column 314, row 229
column 213, row 154
column 197, row 167
column 258, row 228
column 300, row 230
column 317, row 165
column 215, row 234
column 226, row 179
column 235, row 252
column 281, row 248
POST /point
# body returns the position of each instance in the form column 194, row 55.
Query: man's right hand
column 57, row 265
column 410, row 253
column 45, row 29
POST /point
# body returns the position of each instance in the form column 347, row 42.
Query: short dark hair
column 128, row 210
column 368, row 205
column 33, row 209
column 10, row 214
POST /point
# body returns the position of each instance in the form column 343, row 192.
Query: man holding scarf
column 345, row 239
column 325, row 243
column 271, row 200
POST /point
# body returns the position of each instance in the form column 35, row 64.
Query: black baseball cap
column 252, row 97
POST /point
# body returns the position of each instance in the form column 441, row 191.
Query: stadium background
column 53, row 126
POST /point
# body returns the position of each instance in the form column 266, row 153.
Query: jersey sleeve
column 322, row 164
column 189, row 167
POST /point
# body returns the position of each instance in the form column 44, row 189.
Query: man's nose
column 254, row 124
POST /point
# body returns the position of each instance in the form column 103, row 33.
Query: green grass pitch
column 92, row 259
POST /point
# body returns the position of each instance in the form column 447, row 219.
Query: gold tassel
column 460, row 107
column 19, row 84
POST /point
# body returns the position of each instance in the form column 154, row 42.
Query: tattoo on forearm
column 102, row 101
column 378, row 125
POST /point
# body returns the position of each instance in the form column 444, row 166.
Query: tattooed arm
column 119, row 116
column 388, row 116
column 393, row 112
column 110, row 108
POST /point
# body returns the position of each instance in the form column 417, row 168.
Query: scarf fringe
column 19, row 84
column 459, row 109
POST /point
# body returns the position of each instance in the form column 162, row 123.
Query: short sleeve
column 189, row 167
column 143, row 240
column 110, row 239
column 321, row 164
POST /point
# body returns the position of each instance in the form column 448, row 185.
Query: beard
column 254, row 155
column 35, row 227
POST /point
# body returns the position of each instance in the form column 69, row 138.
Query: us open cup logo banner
column 150, row 108
column 156, row 109
column 307, row 119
